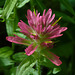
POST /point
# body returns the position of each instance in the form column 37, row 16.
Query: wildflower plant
column 41, row 32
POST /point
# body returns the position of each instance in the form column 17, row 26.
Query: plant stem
column 38, row 67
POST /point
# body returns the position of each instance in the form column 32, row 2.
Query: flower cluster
column 40, row 31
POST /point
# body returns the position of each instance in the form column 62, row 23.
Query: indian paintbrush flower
column 40, row 31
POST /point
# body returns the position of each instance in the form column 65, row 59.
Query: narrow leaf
column 13, row 71
column 28, row 69
column 26, row 64
column 5, row 62
column 32, row 71
column 5, row 52
column 19, row 56
column 20, row 34
column 11, row 8
column 10, row 26
column 21, row 3
column 6, row 3
column 56, row 70
column 1, row 10
column 8, row 8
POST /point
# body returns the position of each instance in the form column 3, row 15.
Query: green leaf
column 19, row 56
column 11, row 8
column 31, row 71
column 20, row 34
column 6, row 3
column 56, row 70
column 10, row 26
column 13, row 71
column 18, row 29
column 1, row 10
column 68, row 6
column 49, row 72
column 5, row 52
column 8, row 8
column 64, row 17
column 26, row 64
column 21, row 3
column 5, row 62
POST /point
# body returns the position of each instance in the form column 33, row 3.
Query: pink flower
column 40, row 31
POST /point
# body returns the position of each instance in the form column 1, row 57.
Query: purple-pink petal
column 44, row 12
column 52, row 18
column 24, row 27
column 30, row 50
column 29, row 14
column 54, row 59
column 58, row 31
column 62, row 29
column 54, row 36
column 48, row 15
column 17, row 40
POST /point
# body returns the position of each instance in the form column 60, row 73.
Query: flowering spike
column 41, row 31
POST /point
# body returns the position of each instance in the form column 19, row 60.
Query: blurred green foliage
column 11, row 11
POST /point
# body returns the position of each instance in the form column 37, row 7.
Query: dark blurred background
column 64, row 48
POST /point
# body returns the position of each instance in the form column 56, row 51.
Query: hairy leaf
column 21, row 3
column 20, row 34
column 8, row 8
column 10, row 26
column 5, row 62
column 5, row 52
column 26, row 64
column 19, row 56
column 56, row 70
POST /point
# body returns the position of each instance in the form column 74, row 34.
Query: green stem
column 13, row 46
column 38, row 63
column 38, row 67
